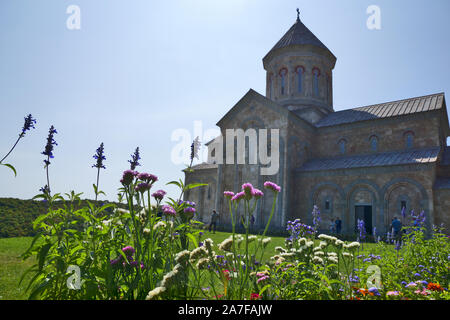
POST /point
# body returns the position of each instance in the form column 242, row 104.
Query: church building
column 363, row 163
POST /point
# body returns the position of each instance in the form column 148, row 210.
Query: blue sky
column 138, row 70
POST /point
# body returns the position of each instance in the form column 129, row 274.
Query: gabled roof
column 418, row 156
column 384, row 110
column 298, row 34
column 252, row 95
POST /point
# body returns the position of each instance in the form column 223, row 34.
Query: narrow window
column 374, row 144
column 327, row 204
column 316, row 74
column 283, row 73
column 409, row 139
column 342, row 146
column 299, row 71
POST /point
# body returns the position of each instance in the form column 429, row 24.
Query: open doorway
column 364, row 212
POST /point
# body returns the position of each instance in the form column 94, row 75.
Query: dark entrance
column 364, row 212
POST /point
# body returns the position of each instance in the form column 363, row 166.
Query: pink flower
column 273, row 186
column 247, row 188
column 238, row 196
column 228, row 194
column 168, row 210
column 257, row 193
column 159, row 194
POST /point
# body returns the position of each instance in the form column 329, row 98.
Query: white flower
column 197, row 253
column 352, row 246
column 266, row 241
column 317, row 260
column 226, row 244
column 339, row 243
column 202, row 263
column 159, row 224
column 155, row 292
column 348, row 255
column 333, row 259
column 302, row 241
column 251, row 238
column 280, row 249
column 208, row 243
column 182, row 256
column 319, row 253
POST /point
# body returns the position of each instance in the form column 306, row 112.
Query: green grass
column 12, row 266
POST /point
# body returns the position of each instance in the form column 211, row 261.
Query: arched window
column 409, row 139
column 299, row 70
column 283, row 73
column 373, row 143
column 316, row 74
column 342, row 146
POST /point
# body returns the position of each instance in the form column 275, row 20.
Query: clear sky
column 137, row 71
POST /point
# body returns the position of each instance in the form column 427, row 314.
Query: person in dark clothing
column 396, row 227
column 338, row 225
column 213, row 223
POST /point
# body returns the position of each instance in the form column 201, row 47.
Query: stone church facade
column 367, row 162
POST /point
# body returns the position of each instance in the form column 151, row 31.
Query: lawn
column 12, row 266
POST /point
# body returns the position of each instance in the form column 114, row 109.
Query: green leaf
column 194, row 185
column 43, row 254
column 11, row 167
column 175, row 183
column 267, row 286
column 193, row 239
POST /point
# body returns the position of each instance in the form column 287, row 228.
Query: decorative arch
column 395, row 183
column 362, row 185
column 373, row 141
column 338, row 205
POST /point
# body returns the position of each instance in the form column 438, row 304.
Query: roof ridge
column 394, row 101
column 378, row 153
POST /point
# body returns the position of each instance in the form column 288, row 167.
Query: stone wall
column 383, row 188
column 389, row 132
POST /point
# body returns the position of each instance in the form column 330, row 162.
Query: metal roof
column 417, row 156
column 384, row 110
column 298, row 34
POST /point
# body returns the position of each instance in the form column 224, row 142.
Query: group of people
column 336, row 226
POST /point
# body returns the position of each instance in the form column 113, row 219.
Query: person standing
column 396, row 227
column 338, row 225
column 214, row 218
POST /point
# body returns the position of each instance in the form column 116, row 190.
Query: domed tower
column 299, row 73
